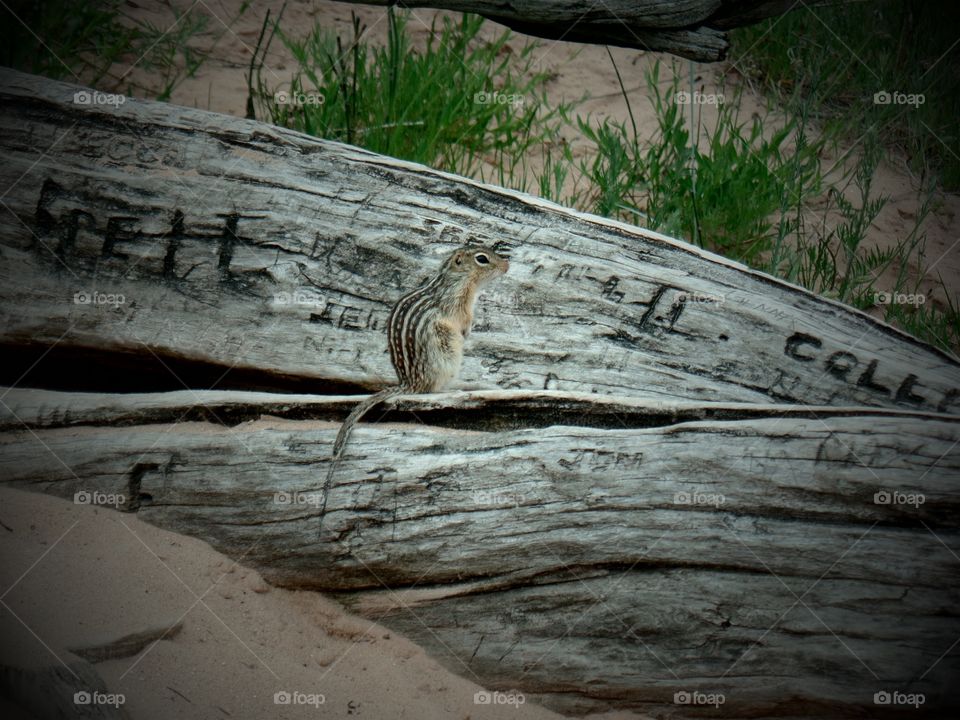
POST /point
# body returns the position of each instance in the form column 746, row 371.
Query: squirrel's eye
column 481, row 259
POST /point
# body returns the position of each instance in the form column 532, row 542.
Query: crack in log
column 138, row 369
column 460, row 585
column 302, row 399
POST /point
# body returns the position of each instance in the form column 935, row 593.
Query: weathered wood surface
column 622, row 514
column 691, row 28
column 237, row 246
column 586, row 566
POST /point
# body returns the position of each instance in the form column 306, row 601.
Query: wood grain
column 587, row 567
column 242, row 247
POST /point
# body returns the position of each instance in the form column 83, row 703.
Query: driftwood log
column 680, row 479
column 694, row 29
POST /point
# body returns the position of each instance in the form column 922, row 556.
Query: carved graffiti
column 123, row 243
column 595, row 459
column 866, row 374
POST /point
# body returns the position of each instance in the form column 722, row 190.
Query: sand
column 79, row 576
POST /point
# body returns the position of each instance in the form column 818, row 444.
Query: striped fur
column 425, row 334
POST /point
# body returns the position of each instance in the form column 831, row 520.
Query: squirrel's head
column 478, row 265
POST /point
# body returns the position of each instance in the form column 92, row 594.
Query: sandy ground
column 78, row 576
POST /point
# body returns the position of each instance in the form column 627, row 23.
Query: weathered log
column 622, row 516
column 691, row 29
column 604, row 567
column 175, row 245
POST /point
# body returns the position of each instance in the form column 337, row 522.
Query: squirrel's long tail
column 344, row 434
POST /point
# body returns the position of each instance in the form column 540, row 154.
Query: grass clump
column 460, row 103
column 748, row 194
column 723, row 197
column 83, row 41
column 874, row 75
column 849, row 61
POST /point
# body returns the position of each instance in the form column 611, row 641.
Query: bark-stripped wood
column 691, row 28
column 622, row 514
column 238, row 245
column 681, row 554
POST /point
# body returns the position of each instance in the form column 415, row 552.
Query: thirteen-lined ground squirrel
column 425, row 332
